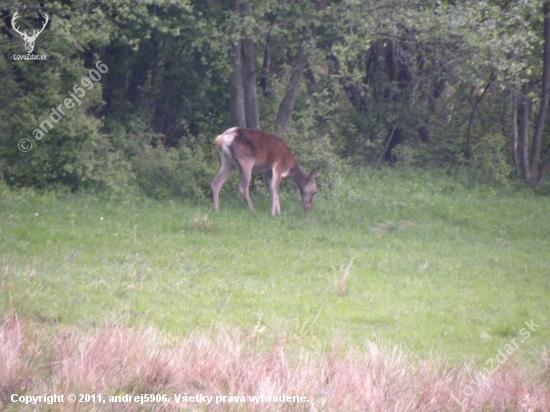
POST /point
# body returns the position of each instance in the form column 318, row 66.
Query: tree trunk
column 249, row 76
column 140, row 71
column 114, row 90
column 469, row 154
column 515, row 133
column 287, row 105
column 242, row 83
column 236, row 92
column 545, row 97
column 524, row 133
column 265, row 84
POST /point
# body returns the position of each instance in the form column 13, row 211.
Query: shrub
column 173, row 173
column 490, row 159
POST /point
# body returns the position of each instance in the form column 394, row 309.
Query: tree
column 244, row 94
column 289, row 99
column 416, row 82
column 527, row 154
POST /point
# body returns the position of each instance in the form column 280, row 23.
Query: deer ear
column 313, row 174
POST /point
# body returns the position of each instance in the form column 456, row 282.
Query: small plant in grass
column 342, row 284
column 201, row 223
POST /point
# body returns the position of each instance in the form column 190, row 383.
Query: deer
column 29, row 40
column 256, row 151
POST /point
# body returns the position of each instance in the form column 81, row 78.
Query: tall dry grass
column 114, row 360
column 342, row 283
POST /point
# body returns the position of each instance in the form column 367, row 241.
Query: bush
column 315, row 152
column 490, row 159
column 74, row 154
column 69, row 151
column 173, row 173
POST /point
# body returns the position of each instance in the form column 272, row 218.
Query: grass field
column 399, row 259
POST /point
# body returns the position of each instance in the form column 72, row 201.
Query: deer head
column 308, row 190
column 29, row 40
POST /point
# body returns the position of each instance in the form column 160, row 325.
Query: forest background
column 430, row 84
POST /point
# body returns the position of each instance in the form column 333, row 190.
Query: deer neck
column 299, row 175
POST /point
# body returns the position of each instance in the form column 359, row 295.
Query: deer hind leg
column 225, row 170
column 246, row 175
column 275, row 183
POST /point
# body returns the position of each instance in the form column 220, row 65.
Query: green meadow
column 426, row 262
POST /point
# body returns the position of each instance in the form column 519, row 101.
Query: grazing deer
column 254, row 151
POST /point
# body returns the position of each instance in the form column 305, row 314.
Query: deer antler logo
column 29, row 40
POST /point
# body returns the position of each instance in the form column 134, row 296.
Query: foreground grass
column 116, row 368
column 437, row 268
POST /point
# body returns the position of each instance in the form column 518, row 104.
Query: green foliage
column 173, row 173
column 68, row 148
column 432, row 75
column 314, row 151
column 160, row 172
column 491, row 159
column 408, row 155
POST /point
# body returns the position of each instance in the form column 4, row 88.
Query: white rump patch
column 224, row 140
column 228, row 136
